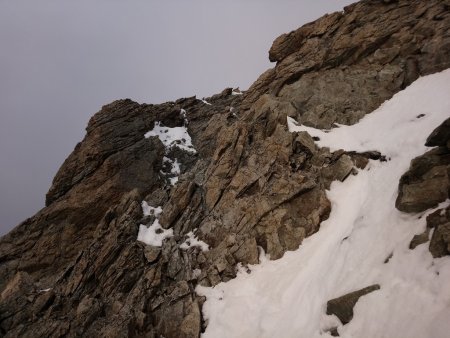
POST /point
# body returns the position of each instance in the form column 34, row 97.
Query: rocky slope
column 76, row 267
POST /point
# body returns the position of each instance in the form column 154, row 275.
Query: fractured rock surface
column 440, row 241
column 76, row 268
column 425, row 185
column 427, row 182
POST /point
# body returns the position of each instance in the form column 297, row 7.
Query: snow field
column 287, row 298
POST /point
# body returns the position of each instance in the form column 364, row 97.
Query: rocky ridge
column 76, row 268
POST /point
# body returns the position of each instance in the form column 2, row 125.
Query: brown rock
column 247, row 252
column 426, row 183
column 438, row 217
column 151, row 253
column 423, row 195
column 338, row 170
column 440, row 241
column 21, row 283
column 286, row 44
column 87, row 311
column 304, row 142
column 252, row 183
column 367, row 48
column 15, row 301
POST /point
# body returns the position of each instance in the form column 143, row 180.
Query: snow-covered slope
column 287, row 297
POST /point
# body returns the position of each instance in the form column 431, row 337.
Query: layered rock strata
column 76, row 268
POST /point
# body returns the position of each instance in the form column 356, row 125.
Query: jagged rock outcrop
column 83, row 246
column 76, row 268
column 425, row 185
column 427, row 182
column 344, row 65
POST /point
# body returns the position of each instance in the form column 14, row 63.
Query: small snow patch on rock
column 155, row 234
column 192, row 241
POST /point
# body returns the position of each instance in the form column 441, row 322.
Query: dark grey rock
column 440, row 241
column 342, row 307
column 440, row 136
column 334, row 332
column 420, row 239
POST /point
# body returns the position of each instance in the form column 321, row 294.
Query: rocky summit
column 157, row 200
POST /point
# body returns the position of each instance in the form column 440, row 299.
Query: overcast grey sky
column 61, row 60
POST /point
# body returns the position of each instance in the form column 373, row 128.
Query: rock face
column 425, row 185
column 440, row 137
column 344, row 65
column 76, row 268
column 427, row 182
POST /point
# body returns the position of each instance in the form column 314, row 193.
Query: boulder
column 426, row 183
column 342, row 307
column 420, row 239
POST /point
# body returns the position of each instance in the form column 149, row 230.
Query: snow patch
column 192, row 241
column 154, row 234
column 172, row 137
column 45, row 290
column 205, row 102
column 287, row 298
column 175, row 169
column 149, row 210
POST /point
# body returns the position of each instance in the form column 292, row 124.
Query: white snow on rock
column 287, row 298
column 206, row 102
column 192, row 241
column 155, row 233
column 149, row 210
column 172, row 137
column 45, row 290
column 175, row 169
